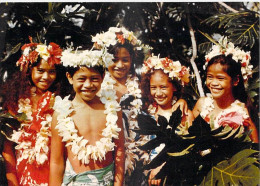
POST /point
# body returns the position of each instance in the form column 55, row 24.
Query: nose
column 120, row 64
column 45, row 75
column 87, row 84
column 158, row 92
column 214, row 81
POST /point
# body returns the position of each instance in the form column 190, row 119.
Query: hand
column 154, row 172
column 183, row 106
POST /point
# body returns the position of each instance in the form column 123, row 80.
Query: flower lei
column 32, row 51
column 116, row 35
column 87, row 58
column 225, row 47
column 174, row 69
column 235, row 107
column 79, row 145
column 131, row 143
column 39, row 152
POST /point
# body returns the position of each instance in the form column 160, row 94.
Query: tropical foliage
column 204, row 156
column 180, row 31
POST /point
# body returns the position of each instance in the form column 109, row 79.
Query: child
column 128, row 53
column 87, row 140
column 226, row 103
column 161, row 88
column 29, row 97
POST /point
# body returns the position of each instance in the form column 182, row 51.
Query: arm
column 57, row 166
column 183, row 106
column 197, row 108
column 254, row 134
column 119, row 154
column 10, row 163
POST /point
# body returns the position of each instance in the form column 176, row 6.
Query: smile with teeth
column 215, row 90
column 159, row 98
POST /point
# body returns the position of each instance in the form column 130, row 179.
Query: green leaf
column 239, row 170
column 204, row 47
column 13, row 51
column 252, row 94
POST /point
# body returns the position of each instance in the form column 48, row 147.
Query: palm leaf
column 242, row 27
column 239, row 170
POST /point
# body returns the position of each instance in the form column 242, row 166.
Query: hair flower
column 89, row 58
column 31, row 52
column 240, row 56
column 174, row 69
column 116, row 35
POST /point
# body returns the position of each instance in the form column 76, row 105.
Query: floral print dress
column 233, row 116
column 33, row 141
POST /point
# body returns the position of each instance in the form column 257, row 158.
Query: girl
column 161, row 88
column 127, row 51
column 29, row 97
column 226, row 103
column 87, row 141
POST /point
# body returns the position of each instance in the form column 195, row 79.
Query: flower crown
column 225, row 47
column 89, row 58
column 32, row 51
column 116, row 35
column 174, row 69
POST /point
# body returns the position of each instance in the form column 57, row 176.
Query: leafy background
column 166, row 26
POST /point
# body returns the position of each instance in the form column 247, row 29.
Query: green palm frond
column 242, row 27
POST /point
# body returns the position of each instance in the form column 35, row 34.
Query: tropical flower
column 174, row 69
column 89, row 58
column 240, row 56
column 32, row 51
column 79, row 146
column 116, row 35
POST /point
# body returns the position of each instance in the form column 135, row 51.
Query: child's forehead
column 87, row 71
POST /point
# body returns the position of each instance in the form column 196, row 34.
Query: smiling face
column 43, row 75
column 122, row 64
column 219, row 82
column 161, row 89
column 86, row 83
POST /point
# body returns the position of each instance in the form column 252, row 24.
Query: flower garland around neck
column 240, row 56
column 234, row 115
column 174, row 69
column 39, row 152
column 131, row 143
column 79, row 145
column 116, row 35
column 32, row 51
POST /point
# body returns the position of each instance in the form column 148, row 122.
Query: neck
column 121, row 81
column 165, row 108
column 224, row 102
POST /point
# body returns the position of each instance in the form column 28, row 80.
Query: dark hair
column 145, row 87
column 233, row 69
column 19, row 84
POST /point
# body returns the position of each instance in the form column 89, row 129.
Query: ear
column 236, row 81
column 69, row 78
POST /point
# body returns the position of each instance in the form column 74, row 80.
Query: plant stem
column 194, row 55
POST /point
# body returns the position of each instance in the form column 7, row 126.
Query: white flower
column 42, row 50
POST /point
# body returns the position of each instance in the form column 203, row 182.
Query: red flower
column 120, row 38
column 33, row 56
column 55, row 54
column 243, row 64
